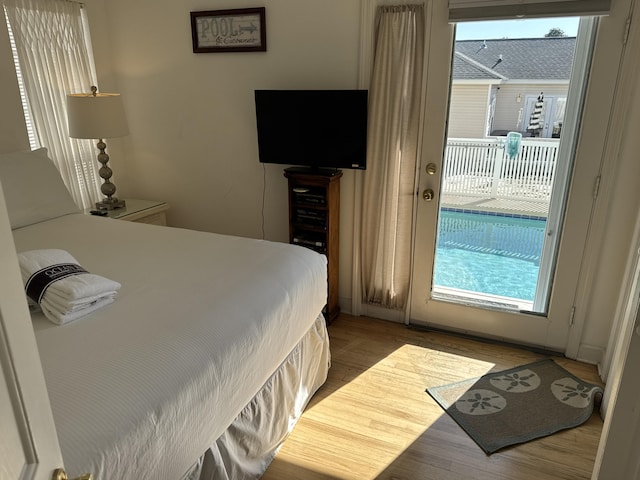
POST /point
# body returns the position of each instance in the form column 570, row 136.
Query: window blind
column 468, row 10
column 52, row 55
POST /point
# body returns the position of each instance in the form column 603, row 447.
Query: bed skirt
column 247, row 447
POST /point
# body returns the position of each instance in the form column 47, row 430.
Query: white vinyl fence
column 482, row 168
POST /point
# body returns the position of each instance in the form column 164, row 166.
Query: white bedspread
column 144, row 386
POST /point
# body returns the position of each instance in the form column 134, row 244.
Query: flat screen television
column 319, row 129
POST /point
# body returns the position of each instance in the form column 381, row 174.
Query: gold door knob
column 60, row 474
column 432, row 168
column 427, row 195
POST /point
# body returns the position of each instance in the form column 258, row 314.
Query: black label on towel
column 40, row 280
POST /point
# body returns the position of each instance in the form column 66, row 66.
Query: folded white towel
column 59, row 303
column 63, row 289
column 60, row 318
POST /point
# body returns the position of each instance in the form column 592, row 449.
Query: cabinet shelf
column 310, row 228
column 310, row 206
column 314, row 222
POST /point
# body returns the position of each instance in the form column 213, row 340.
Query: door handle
column 61, row 474
column 427, row 195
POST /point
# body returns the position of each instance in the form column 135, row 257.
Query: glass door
column 500, row 136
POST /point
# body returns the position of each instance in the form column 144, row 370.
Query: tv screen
column 321, row 129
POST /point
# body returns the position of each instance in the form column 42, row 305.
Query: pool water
column 489, row 253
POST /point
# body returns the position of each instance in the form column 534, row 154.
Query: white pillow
column 33, row 188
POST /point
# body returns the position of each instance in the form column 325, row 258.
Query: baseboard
column 383, row 313
column 372, row 311
column 345, row 305
column 590, row 354
column 488, row 339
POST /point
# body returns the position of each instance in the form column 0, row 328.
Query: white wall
column 622, row 211
column 192, row 120
column 618, row 454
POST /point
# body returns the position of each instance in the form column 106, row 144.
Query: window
column 52, row 54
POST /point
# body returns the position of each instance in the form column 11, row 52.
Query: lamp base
column 110, row 203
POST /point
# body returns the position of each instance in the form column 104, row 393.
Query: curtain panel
column 54, row 59
column 393, row 141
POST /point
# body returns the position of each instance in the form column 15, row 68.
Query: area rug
column 517, row 405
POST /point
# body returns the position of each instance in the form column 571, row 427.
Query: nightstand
column 141, row 211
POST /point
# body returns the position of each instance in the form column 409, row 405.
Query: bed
column 202, row 364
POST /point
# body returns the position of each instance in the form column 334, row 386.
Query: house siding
column 468, row 111
column 509, row 110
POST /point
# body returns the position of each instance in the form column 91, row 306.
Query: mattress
column 141, row 388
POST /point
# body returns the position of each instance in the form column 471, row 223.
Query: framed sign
column 239, row 30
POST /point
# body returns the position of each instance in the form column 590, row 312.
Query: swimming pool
column 490, row 253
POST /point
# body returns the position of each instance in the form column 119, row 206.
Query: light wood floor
column 373, row 420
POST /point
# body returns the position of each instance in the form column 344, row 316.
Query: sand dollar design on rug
column 573, row 393
column 516, row 382
column 481, row 402
column 518, row 415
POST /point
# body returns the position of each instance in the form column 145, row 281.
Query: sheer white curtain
column 54, row 59
column 393, row 146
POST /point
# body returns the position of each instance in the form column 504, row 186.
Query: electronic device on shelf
column 314, row 222
column 318, row 129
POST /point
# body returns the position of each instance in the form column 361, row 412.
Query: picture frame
column 237, row 30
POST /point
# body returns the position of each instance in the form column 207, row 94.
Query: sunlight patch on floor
column 376, row 410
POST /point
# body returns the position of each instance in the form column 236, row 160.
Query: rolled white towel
column 62, row 288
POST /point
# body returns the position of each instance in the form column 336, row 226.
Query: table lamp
column 99, row 116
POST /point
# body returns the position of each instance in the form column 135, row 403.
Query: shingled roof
column 548, row 58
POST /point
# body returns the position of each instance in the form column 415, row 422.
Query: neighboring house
column 497, row 82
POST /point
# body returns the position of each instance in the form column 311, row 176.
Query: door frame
column 616, row 53
column 579, row 227
column 38, row 449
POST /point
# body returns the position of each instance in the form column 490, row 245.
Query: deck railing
column 483, row 168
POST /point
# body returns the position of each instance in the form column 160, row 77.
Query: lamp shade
column 96, row 116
